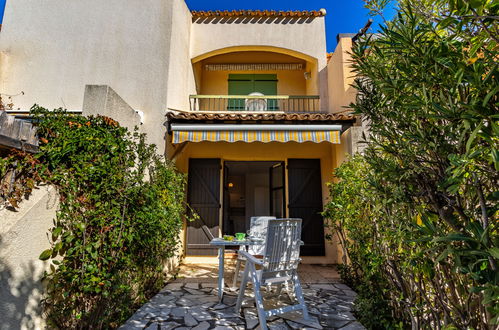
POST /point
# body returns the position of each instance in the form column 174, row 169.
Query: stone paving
column 186, row 304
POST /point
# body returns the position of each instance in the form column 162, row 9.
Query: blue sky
column 343, row 16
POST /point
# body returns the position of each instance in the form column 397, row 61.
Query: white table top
column 222, row 242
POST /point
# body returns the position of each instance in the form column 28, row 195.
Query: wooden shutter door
column 203, row 195
column 305, row 202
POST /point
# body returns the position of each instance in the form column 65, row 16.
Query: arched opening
column 288, row 79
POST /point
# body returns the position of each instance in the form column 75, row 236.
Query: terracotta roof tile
column 257, row 116
column 258, row 13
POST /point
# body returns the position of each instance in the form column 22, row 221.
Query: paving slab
column 251, row 317
column 168, row 325
column 192, row 303
column 202, row 326
column 191, row 286
column 173, row 286
column 354, row 326
column 190, row 321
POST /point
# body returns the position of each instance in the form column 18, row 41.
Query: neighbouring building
column 245, row 102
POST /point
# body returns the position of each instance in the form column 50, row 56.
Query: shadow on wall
column 18, row 310
column 23, row 236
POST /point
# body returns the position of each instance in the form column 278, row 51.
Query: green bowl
column 240, row 236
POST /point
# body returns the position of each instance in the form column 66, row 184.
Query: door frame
column 223, row 174
column 222, row 182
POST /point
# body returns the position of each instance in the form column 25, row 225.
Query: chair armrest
column 250, row 258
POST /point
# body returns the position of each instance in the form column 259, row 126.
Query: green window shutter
column 244, row 84
column 267, row 87
column 239, row 87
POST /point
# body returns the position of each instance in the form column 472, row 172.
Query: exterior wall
column 23, row 237
column 180, row 71
column 51, row 49
column 103, row 100
column 340, row 77
column 304, row 39
column 289, row 82
column 273, row 151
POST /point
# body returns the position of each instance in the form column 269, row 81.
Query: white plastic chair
column 255, row 104
column 279, row 265
column 258, row 229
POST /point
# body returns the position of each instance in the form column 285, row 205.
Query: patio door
column 305, row 202
column 203, row 195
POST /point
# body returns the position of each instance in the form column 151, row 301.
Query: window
column 245, row 84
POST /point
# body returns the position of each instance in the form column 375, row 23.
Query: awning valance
column 255, row 133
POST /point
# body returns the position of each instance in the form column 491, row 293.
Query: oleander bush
column 417, row 215
column 118, row 224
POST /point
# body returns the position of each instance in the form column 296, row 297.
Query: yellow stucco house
column 246, row 103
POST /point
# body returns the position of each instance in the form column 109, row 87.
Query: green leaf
column 494, row 252
column 45, row 254
column 489, row 95
column 495, row 158
column 446, row 22
column 476, row 3
column 472, row 137
column 56, row 232
column 453, row 237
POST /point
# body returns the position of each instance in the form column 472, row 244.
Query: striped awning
column 256, row 133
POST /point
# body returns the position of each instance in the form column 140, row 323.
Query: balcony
column 255, row 103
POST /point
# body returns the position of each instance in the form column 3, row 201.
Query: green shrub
column 351, row 215
column 418, row 214
column 121, row 211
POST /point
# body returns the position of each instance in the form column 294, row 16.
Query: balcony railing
column 250, row 103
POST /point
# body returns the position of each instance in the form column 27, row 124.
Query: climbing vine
column 119, row 218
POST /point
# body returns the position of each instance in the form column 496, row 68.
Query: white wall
column 51, row 49
column 306, row 36
column 254, row 184
column 23, row 236
column 180, row 72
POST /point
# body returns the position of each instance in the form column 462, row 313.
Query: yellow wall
column 313, row 65
column 273, row 151
column 340, row 77
column 290, row 82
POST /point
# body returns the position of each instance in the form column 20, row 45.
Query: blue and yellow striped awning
column 259, row 133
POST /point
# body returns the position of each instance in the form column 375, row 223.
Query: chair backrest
column 258, row 229
column 282, row 248
column 255, row 104
column 207, row 232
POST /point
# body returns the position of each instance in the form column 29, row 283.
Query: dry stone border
column 195, row 306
